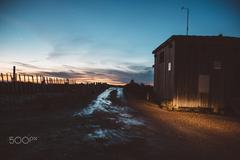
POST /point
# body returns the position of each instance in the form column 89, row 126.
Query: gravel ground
column 191, row 135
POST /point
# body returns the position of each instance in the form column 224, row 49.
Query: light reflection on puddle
column 131, row 122
column 101, row 112
column 100, row 104
column 112, row 136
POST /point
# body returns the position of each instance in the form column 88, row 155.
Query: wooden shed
column 198, row 71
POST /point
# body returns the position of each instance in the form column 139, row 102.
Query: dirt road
column 189, row 135
column 112, row 127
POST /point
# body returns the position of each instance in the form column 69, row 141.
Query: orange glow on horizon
column 78, row 80
column 98, row 80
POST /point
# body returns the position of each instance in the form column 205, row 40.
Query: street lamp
column 187, row 9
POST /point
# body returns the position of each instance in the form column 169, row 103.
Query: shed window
column 217, row 65
column 161, row 57
column 169, row 66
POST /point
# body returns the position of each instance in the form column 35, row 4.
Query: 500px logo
column 21, row 140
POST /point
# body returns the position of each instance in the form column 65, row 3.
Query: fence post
column 11, row 77
column 2, row 77
column 37, row 78
column 7, row 76
column 14, row 78
column 28, row 78
column 19, row 76
column 43, row 80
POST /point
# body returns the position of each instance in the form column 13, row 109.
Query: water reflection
column 110, row 123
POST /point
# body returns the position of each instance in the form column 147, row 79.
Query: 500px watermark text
column 22, row 140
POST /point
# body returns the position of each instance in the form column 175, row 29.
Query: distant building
column 198, row 71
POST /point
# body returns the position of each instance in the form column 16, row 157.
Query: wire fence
column 26, row 91
column 22, row 84
column 37, row 79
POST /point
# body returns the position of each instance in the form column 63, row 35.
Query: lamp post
column 187, row 9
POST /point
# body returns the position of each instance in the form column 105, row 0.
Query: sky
column 102, row 40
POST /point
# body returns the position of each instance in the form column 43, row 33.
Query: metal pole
column 187, row 9
column 187, row 19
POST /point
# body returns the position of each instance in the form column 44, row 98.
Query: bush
column 139, row 91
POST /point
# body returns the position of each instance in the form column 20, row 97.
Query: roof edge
column 190, row 36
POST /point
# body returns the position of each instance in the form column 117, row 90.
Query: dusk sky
column 108, row 41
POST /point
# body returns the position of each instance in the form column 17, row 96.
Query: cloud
column 27, row 65
column 54, row 55
column 68, row 74
column 87, row 49
column 138, row 68
column 70, row 46
column 123, row 74
column 142, row 76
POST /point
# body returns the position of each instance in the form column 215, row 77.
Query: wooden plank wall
column 195, row 57
column 164, row 79
column 186, row 75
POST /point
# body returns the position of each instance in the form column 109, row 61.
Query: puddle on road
column 101, row 111
column 110, row 136
column 100, row 104
column 130, row 121
column 113, row 136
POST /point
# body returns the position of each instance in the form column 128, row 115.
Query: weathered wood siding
column 186, row 73
column 163, row 78
column 204, row 71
